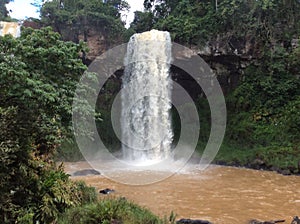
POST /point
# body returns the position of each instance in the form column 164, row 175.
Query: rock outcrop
column 296, row 220
column 228, row 56
column 254, row 221
column 86, row 172
column 106, row 191
column 192, row 221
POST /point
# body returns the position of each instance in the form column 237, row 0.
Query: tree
column 264, row 107
column 72, row 18
column 39, row 73
column 194, row 22
column 3, row 9
column 143, row 21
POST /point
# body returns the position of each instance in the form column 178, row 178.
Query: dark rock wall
column 226, row 56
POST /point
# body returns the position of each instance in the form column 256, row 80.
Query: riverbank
column 251, row 194
column 284, row 160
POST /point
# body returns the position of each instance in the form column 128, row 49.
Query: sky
column 135, row 5
column 22, row 9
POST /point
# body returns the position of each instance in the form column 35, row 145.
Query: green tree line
column 263, row 111
column 39, row 74
column 40, row 70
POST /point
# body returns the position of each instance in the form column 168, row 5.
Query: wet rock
column 254, row 221
column 115, row 221
column 286, row 172
column 86, row 172
column 295, row 43
column 258, row 164
column 275, row 168
column 296, row 220
column 191, row 221
column 106, row 191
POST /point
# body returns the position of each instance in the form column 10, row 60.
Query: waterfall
column 146, row 98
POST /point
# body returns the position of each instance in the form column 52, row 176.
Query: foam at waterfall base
column 167, row 165
column 143, row 162
column 143, row 172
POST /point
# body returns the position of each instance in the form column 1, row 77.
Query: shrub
column 109, row 211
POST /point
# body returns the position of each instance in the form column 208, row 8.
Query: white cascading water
column 146, row 100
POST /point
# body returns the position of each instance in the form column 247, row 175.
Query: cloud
column 21, row 9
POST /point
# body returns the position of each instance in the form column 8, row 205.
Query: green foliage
column 104, row 104
column 269, row 97
column 73, row 18
column 112, row 211
column 59, row 193
column 176, row 125
column 264, row 114
column 235, row 155
column 291, row 119
column 62, row 194
column 263, row 110
column 180, row 18
column 3, row 9
column 195, row 22
column 143, row 21
column 284, row 157
column 294, row 62
column 68, row 151
column 39, row 73
column 204, row 118
column 269, row 157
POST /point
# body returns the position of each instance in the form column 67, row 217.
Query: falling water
column 146, row 98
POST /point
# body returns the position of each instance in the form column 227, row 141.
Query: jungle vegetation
column 40, row 71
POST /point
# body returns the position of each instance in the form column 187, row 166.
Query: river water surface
column 224, row 195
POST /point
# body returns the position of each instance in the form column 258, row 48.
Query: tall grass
column 112, row 211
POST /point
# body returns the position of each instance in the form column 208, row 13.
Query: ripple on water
column 223, row 195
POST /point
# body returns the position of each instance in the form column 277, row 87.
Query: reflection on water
column 223, row 195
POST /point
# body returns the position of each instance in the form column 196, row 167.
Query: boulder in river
column 296, row 220
column 192, row 221
column 86, row 172
column 106, row 191
column 286, row 172
column 254, row 221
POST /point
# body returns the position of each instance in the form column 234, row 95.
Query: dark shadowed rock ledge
column 86, row 172
column 192, row 221
column 261, row 165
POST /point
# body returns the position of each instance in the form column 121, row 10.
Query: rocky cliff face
column 227, row 56
column 96, row 44
column 94, row 38
column 227, row 59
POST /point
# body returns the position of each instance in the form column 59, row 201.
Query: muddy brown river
column 222, row 195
